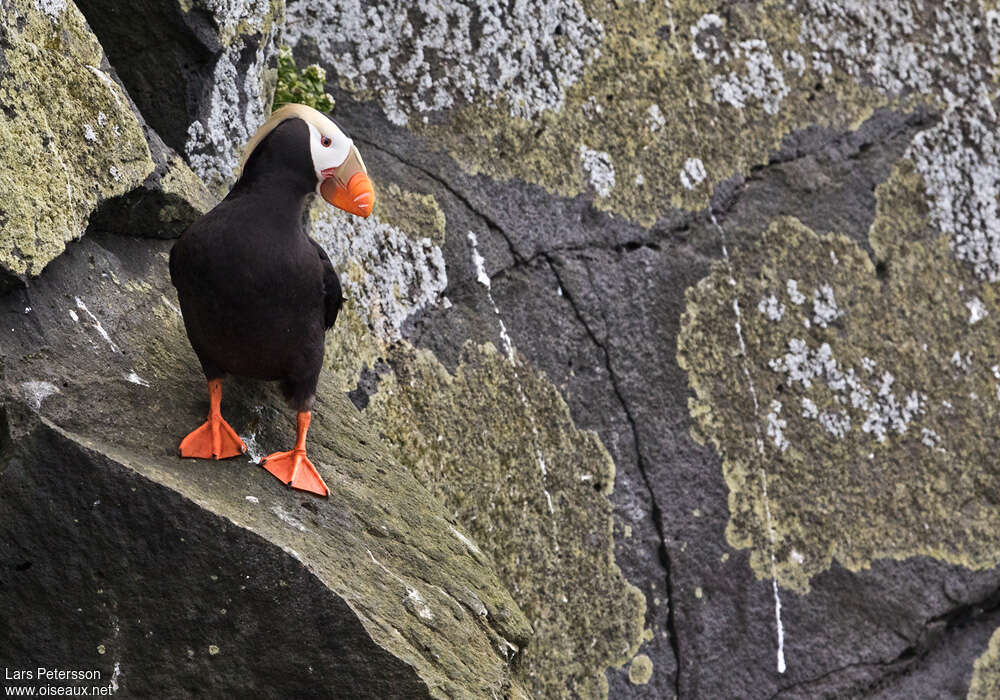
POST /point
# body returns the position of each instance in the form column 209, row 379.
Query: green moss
column 58, row 163
column 471, row 438
column 926, row 489
column 307, row 87
column 986, row 672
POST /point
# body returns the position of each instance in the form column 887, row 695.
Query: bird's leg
column 293, row 467
column 215, row 438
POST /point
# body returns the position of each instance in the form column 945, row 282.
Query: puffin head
column 340, row 174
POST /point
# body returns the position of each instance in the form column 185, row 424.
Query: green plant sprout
column 304, row 87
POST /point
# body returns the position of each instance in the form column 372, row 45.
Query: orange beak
column 355, row 196
column 347, row 187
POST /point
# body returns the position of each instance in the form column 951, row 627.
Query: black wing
column 333, row 295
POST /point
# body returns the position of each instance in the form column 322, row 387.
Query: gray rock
column 178, row 576
column 202, row 73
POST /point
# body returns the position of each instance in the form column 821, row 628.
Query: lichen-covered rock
column 865, row 403
column 986, row 672
column 389, row 275
column 202, row 72
column 69, row 139
column 169, row 200
column 172, row 575
column 534, row 494
column 496, row 443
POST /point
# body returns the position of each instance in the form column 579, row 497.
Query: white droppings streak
column 760, row 447
column 136, row 379
column 479, row 263
column 111, row 85
column 115, row 676
column 289, row 519
column 35, row 392
column 97, row 324
column 465, row 540
column 412, row 594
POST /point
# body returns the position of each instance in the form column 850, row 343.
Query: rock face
column 202, row 72
column 172, row 575
column 69, row 138
column 672, row 337
column 683, row 136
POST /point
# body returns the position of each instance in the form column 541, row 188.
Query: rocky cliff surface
column 673, row 333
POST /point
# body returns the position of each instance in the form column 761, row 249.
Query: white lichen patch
column 654, row 118
column 707, row 40
column 238, row 102
column 962, row 362
column 52, row 8
column 693, row 173
column 825, row 309
column 232, row 16
column 88, row 133
column 977, row 310
column 600, row 170
column 770, row 307
column 901, row 46
column 389, row 275
column 235, row 110
column 776, row 425
column 428, row 55
column 809, row 409
column 35, row 392
column 792, row 287
column 759, row 81
column 878, row 408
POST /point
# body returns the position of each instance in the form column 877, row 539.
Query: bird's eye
column 326, row 141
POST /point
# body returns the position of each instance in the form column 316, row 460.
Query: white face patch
column 332, row 156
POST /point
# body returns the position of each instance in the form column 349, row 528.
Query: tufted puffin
column 256, row 292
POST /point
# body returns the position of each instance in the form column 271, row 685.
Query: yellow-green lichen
column 183, row 191
column 866, row 398
column 496, row 444
column 647, row 104
column 640, row 670
column 986, row 673
column 410, row 211
column 652, row 100
column 69, row 139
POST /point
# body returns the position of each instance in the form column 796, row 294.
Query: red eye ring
column 326, row 141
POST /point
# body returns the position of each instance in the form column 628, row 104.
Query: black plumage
column 256, row 292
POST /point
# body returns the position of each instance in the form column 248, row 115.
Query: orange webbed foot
column 295, row 469
column 215, row 439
